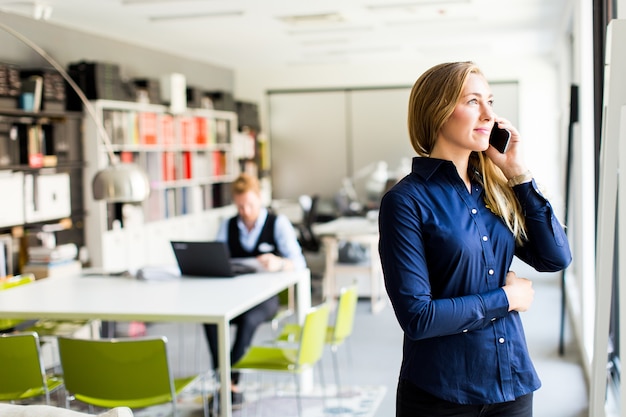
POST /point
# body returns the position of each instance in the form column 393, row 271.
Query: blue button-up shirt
column 445, row 257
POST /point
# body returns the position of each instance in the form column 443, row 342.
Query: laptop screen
column 206, row 259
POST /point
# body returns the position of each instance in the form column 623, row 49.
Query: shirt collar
column 260, row 221
column 425, row 167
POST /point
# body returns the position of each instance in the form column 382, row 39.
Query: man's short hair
column 244, row 183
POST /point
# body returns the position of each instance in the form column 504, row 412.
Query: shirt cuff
column 496, row 304
column 529, row 196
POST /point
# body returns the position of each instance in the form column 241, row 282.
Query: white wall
column 66, row 46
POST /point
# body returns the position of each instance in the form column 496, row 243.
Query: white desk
column 200, row 300
column 354, row 229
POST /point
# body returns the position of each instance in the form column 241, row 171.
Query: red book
column 187, row 165
column 127, row 157
column 219, row 163
column 147, row 126
column 187, row 131
column 167, row 129
column 201, row 131
column 169, row 169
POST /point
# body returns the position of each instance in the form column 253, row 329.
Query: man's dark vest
column 265, row 238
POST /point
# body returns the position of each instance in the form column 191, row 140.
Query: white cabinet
column 46, row 197
column 12, row 210
column 190, row 162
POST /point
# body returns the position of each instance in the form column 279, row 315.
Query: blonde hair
column 244, row 183
column 433, row 98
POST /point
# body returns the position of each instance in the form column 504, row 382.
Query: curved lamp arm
column 120, row 182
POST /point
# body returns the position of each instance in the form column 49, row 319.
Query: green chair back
column 109, row 373
column 22, row 372
column 313, row 336
column 344, row 319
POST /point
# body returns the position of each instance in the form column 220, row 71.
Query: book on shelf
column 127, row 157
column 222, row 129
column 169, row 166
column 200, row 165
column 147, row 128
column 153, row 166
column 186, row 163
column 167, row 132
column 170, row 203
column 187, row 130
column 32, row 90
column 35, row 146
column 59, row 253
column 202, row 130
column 219, row 163
column 53, row 269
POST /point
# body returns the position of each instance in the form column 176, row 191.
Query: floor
column 374, row 352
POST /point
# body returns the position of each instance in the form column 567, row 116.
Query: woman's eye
column 473, row 101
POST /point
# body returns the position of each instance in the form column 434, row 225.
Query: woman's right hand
column 519, row 292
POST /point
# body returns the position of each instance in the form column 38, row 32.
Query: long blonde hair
column 433, row 98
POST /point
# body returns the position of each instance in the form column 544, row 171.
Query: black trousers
column 247, row 324
column 414, row 402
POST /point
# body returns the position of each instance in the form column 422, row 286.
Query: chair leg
column 298, row 399
column 322, row 383
column 333, row 351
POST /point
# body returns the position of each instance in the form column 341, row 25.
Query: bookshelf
column 190, row 159
column 41, row 167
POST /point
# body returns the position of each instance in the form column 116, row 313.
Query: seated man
column 272, row 240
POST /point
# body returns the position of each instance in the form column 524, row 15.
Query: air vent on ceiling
column 312, row 19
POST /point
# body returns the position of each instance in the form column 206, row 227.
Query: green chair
column 130, row 372
column 291, row 359
column 22, row 372
column 7, row 325
column 337, row 333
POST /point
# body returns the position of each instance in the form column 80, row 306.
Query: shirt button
column 464, row 330
column 485, row 238
column 494, row 319
column 501, row 340
column 474, row 211
column 491, row 272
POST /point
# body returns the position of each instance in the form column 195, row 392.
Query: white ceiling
column 238, row 33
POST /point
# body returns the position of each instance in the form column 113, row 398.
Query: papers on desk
column 158, row 273
column 252, row 263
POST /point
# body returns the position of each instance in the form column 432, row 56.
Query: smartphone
column 499, row 138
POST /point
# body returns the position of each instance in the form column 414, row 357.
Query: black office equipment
column 207, row 259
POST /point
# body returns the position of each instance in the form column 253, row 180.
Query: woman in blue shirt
column 448, row 234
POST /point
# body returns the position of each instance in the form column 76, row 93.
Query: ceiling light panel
column 195, row 16
column 312, row 19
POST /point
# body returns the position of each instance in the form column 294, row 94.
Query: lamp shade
column 121, row 183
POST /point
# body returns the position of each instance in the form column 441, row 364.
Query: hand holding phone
column 499, row 138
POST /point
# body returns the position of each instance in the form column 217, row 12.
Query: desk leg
column 223, row 337
column 303, row 304
column 329, row 285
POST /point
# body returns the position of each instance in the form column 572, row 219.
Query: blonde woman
column 448, row 234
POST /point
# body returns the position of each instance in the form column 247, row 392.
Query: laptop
column 207, row 259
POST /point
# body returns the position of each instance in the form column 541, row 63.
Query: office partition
column 319, row 137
